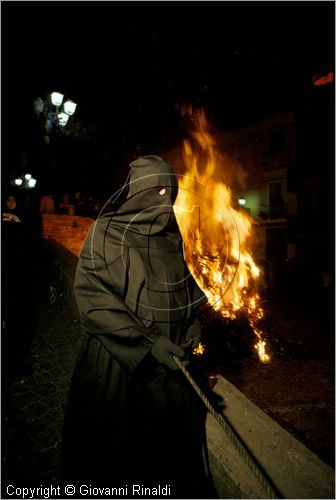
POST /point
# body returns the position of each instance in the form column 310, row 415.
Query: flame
column 217, row 236
column 199, row 350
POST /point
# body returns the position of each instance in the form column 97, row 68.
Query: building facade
column 266, row 151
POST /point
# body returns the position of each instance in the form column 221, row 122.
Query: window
column 277, row 141
column 277, row 199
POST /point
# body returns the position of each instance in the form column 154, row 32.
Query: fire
column 217, row 236
column 199, row 350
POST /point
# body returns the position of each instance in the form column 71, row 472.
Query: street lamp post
column 25, row 181
column 53, row 112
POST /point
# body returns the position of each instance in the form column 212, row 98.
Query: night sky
column 129, row 64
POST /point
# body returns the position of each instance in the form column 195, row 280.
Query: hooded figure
column 132, row 417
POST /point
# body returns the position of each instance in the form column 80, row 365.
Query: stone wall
column 67, row 230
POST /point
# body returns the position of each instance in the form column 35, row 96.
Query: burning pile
column 217, row 236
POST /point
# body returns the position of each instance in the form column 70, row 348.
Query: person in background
column 78, row 201
column 63, row 201
column 97, row 209
column 10, row 211
column 47, row 205
column 18, row 316
column 32, row 223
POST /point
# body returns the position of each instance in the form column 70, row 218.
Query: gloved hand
column 163, row 349
column 194, row 333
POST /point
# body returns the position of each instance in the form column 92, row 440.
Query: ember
column 199, row 350
column 217, row 236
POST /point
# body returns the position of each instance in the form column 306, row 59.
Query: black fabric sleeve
column 100, row 288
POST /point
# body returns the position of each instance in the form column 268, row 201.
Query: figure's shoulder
column 102, row 230
column 103, row 242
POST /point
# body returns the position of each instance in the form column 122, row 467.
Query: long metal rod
column 237, row 441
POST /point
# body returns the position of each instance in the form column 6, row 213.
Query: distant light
column 32, row 183
column 18, row 182
column 241, row 201
column 62, row 119
column 69, row 107
column 28, row 176
column 319, row 79
column 56, row 98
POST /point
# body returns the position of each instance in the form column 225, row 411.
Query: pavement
column 33, row 406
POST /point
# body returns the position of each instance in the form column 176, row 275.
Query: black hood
column 151, row 191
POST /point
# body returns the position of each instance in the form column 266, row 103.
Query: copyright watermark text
column 84, row 490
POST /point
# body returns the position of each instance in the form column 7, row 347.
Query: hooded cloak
column 132, row 283
column 131, row 286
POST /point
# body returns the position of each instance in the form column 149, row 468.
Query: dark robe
column 18, row 315
column 129, row 418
